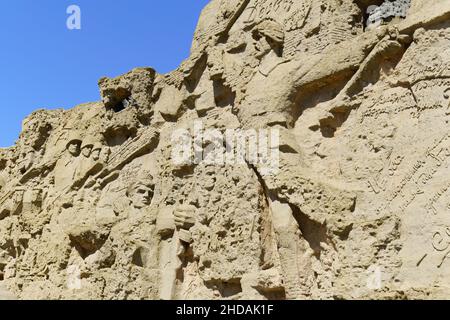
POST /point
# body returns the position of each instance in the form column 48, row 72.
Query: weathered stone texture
column 92, row 205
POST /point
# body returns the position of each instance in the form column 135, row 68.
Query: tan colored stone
column 93, row 205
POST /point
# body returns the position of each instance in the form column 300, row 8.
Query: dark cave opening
column 120, row 106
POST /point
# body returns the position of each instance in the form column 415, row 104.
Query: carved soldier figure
column 163, row 234
column 268, row 42
column 85, row 163
column 105, row 154
column 173, row 249
column 236, row 61
column 66, row 167
column 90, row 162
column 73, row 146
column 268, row 35
column 86, row 147
column 96, row 151
column 135, row 230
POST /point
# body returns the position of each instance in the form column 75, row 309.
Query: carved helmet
column 74, row 138
column 272, row 30
column 97, row 146
column 90, row 141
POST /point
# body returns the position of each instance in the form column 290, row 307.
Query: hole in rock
column 223, row 95
column 273, row 294
column 87, row 243
column 120, row 106
column 313, row 232
column 140, row 257
column 226, row 288
column 117, row 99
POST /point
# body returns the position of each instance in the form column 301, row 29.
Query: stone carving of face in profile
column 209, row 179
column 141, row 194
column 248, row 48
column 104, row 154
column 260, row 44
column 268, row 36
column 96, row 154
column 74, row 147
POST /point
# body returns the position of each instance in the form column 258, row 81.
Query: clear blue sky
column 45, row 65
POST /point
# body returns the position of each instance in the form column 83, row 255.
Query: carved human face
column 104, row 155
column 209, row 181
column 261, row 45
column 96, row 154
column 86, row 151
column 142, row 195
column 74, row 148
column 243, row 48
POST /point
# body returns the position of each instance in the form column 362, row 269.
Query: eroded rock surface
column 93, row 204
column 5, row 294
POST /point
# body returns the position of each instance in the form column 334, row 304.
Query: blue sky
column 43, row 64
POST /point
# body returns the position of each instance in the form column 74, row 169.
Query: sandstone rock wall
column 93, row 204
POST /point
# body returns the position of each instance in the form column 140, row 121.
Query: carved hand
column 185, row 216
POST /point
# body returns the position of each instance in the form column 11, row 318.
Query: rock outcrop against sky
column 95, row 204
